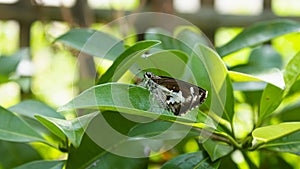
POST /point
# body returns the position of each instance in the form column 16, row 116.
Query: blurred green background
column 49, row 60
column 49, row 71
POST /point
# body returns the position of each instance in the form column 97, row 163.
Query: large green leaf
column 125, row 60
column 13, row 128
column 220, row 88
column 216, row 149
column 42, row 164
column 90, row 155
column 196, row 160
column 289, row 143
column 13, row 154
column 73, row 129
column 93, row 42
column 130, row 99
column 291, row 72
column 30, row 108
column 259, row 33
column 273, row 132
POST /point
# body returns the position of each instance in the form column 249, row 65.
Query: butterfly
column 174, row 95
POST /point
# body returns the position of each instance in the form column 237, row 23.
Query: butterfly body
column 174, row 95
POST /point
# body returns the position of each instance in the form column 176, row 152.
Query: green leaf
column 191, row 36
column 8, row 64
column 221, row 92
column 289, row 112
column 261, row 59
column 165, row 37
column 227, row 162
column 73, row 129
column 15, row 129
column 125, row 60
column 246, row 82
column 270, row 100
column 273, row 132
column 91, row 155
column 168, row 42
column 111, row 96
column 216, row 149
column 291, row 72
column 93, row 42
column 289, row 143
column 14, row 154
column 159, row 63
column 259, row 33
column 159, row 127
column 126, row 98
column 273, row 160
column 159, row 135
column 29, row 108
column 56, row 164
column 197, row 160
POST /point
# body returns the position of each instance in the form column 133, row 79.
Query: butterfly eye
column 148, row 75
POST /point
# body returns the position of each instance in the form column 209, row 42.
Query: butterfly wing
column 192, row 94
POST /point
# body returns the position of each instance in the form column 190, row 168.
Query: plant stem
column 221, row 121
column 220, row 136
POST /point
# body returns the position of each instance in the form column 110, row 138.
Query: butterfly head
column 148, row 75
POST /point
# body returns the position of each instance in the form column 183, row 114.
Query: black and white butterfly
column 174, row 95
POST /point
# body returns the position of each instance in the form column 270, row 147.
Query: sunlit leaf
column 220, row 84
column 253, row 82
column 292, row 72
column 259, row 33
column 197, row 160
column 270, row 100
column 273, row 132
